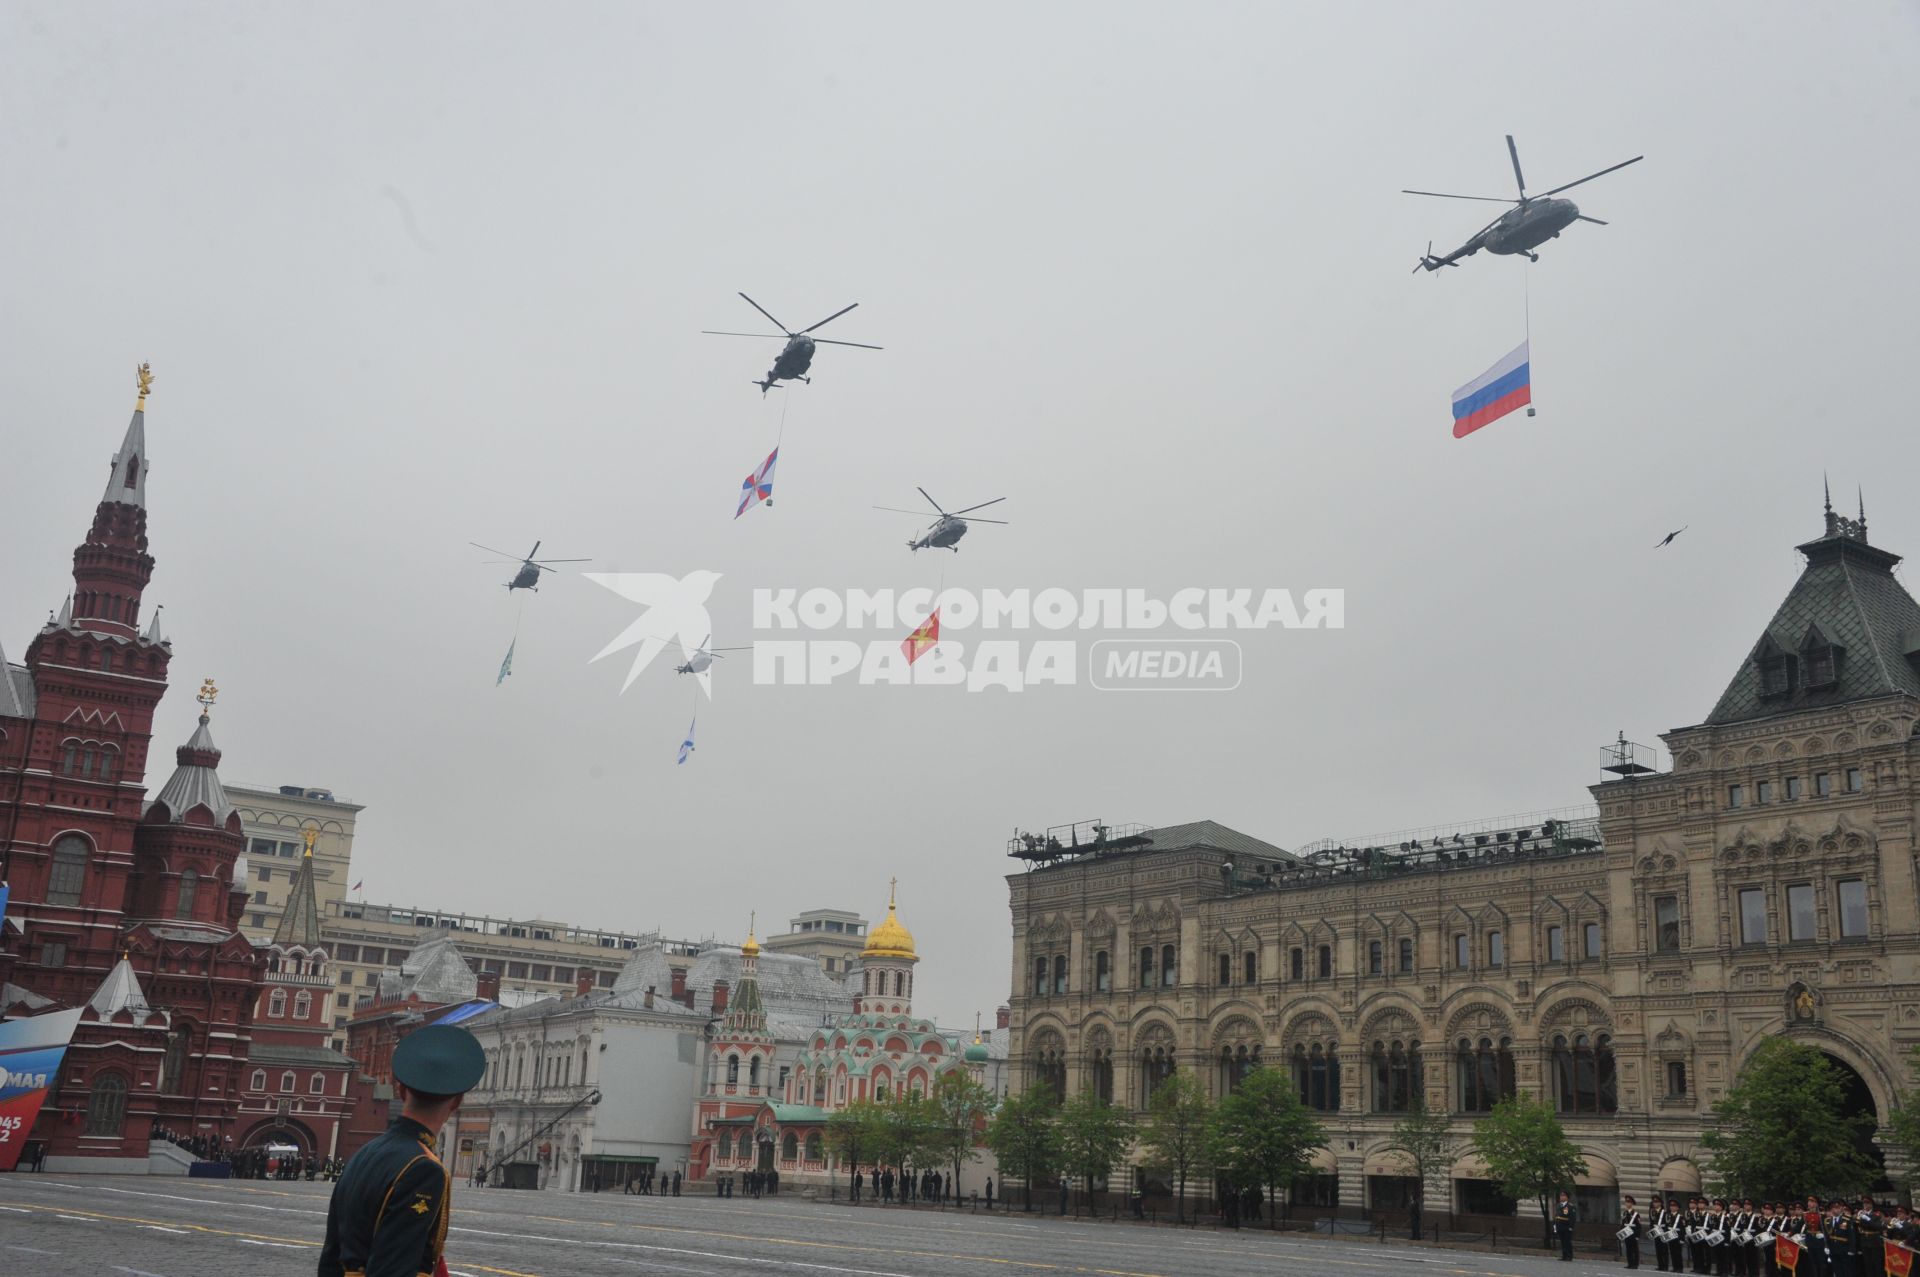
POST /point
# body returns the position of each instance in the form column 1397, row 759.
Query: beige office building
column 832, row 937
column 275, row 822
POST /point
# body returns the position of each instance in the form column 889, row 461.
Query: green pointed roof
column 300, row 923
column 1847, row 600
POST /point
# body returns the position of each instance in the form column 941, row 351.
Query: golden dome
column 890, row 939
column 751, row 949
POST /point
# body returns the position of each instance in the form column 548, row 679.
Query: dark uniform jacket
column 388, row 1216
column 1563, row 1216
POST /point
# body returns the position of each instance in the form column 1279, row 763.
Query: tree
column 1094, row 1134
column 960, row 1106
column 853, row 1135
column 1901, row 1133
column 1528, row 1152
column 1024, row 1135
column 1263, row 1136
column 1782, row 1128
column 1419, row 1142
column 901, row 1131
column 1178, row 1127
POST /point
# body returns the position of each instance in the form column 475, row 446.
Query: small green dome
column 977, row 1053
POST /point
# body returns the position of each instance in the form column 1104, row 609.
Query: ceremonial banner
column 31, row 1049
column 1899, row 1260
column 1494, row 393
column 1786, row 1254
column 922, row 640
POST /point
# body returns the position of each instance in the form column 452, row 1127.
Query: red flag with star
column 924, row 639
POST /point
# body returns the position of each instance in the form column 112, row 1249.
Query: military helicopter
column 702, row 658
column 1531, row 222
column 946, row 531
column 797, row 356
column 528, row 577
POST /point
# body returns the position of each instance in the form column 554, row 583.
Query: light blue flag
column 686, row 746
column 506, row 666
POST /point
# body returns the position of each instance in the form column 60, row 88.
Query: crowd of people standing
column 887, row 1187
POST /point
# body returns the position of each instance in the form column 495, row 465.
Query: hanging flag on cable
column 1494, row 393
column 686, row 746
column 506, row 666
column 356, row 886
column 758, row 486
column 924, row 639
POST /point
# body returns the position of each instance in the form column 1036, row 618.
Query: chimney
column 679, row 975
column 582, row 983
column 488, row 986
column 719, row 997
column 649, row 999
column 1003, row 1018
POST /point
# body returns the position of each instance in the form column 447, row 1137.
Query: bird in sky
column 1668, row 540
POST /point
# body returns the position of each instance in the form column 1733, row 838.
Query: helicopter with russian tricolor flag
column 1531, row 222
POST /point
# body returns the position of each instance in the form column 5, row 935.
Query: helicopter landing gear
column 1533, row 257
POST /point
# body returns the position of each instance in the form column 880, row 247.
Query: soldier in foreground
column 389, row 1212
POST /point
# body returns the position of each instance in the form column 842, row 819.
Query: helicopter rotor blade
column 828, row 341
column 1596, row 221
column 983, row 505
column 1442, row 195
column 540, row 563
column 828, row 320
column 975, row 520
column 1518, row 180
column 511, row 558
column 763, row 310
column 918, row 514
column 715, row 332
column 930, row 500
column 1589, row 177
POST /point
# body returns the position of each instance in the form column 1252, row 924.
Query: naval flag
column 758, row 486
column 506, row 666
column 686, row 746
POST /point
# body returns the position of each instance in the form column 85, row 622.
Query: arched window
column 66, row 758
column 317, row 1083
column 1485, row 1071
column 277, row 1004
column 1156, row 1064
column 1102, row 973
column 1253, row 966
column 1169, row 966
column 1146, row 967
column 1040, row 976
column 726, row 1145
column 816, row 1148
column 1050, row 1064
column 1060, row 973
column 1316, row 1070
column 1397, row 1076
column 1583, row 1074
column 1100, row 1072
column 753, row 1071
column 1326, row 961
column 820, row 1089
column 69, row 878
column 86, row 762
column 189, row 888
column 1235, row 1063
column 733, row 1070
column 259, row 1080
column 302, row 1005
column 790, row 1147
column 106, row 1104
column 286, row 1082
column 106, row 763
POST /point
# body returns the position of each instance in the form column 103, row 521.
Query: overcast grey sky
column 413, row 276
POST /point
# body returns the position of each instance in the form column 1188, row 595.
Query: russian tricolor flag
column 1494, row 393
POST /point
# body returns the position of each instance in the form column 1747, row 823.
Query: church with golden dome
column 774, row 1079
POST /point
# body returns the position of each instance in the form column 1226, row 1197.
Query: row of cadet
column 1739, row 1238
